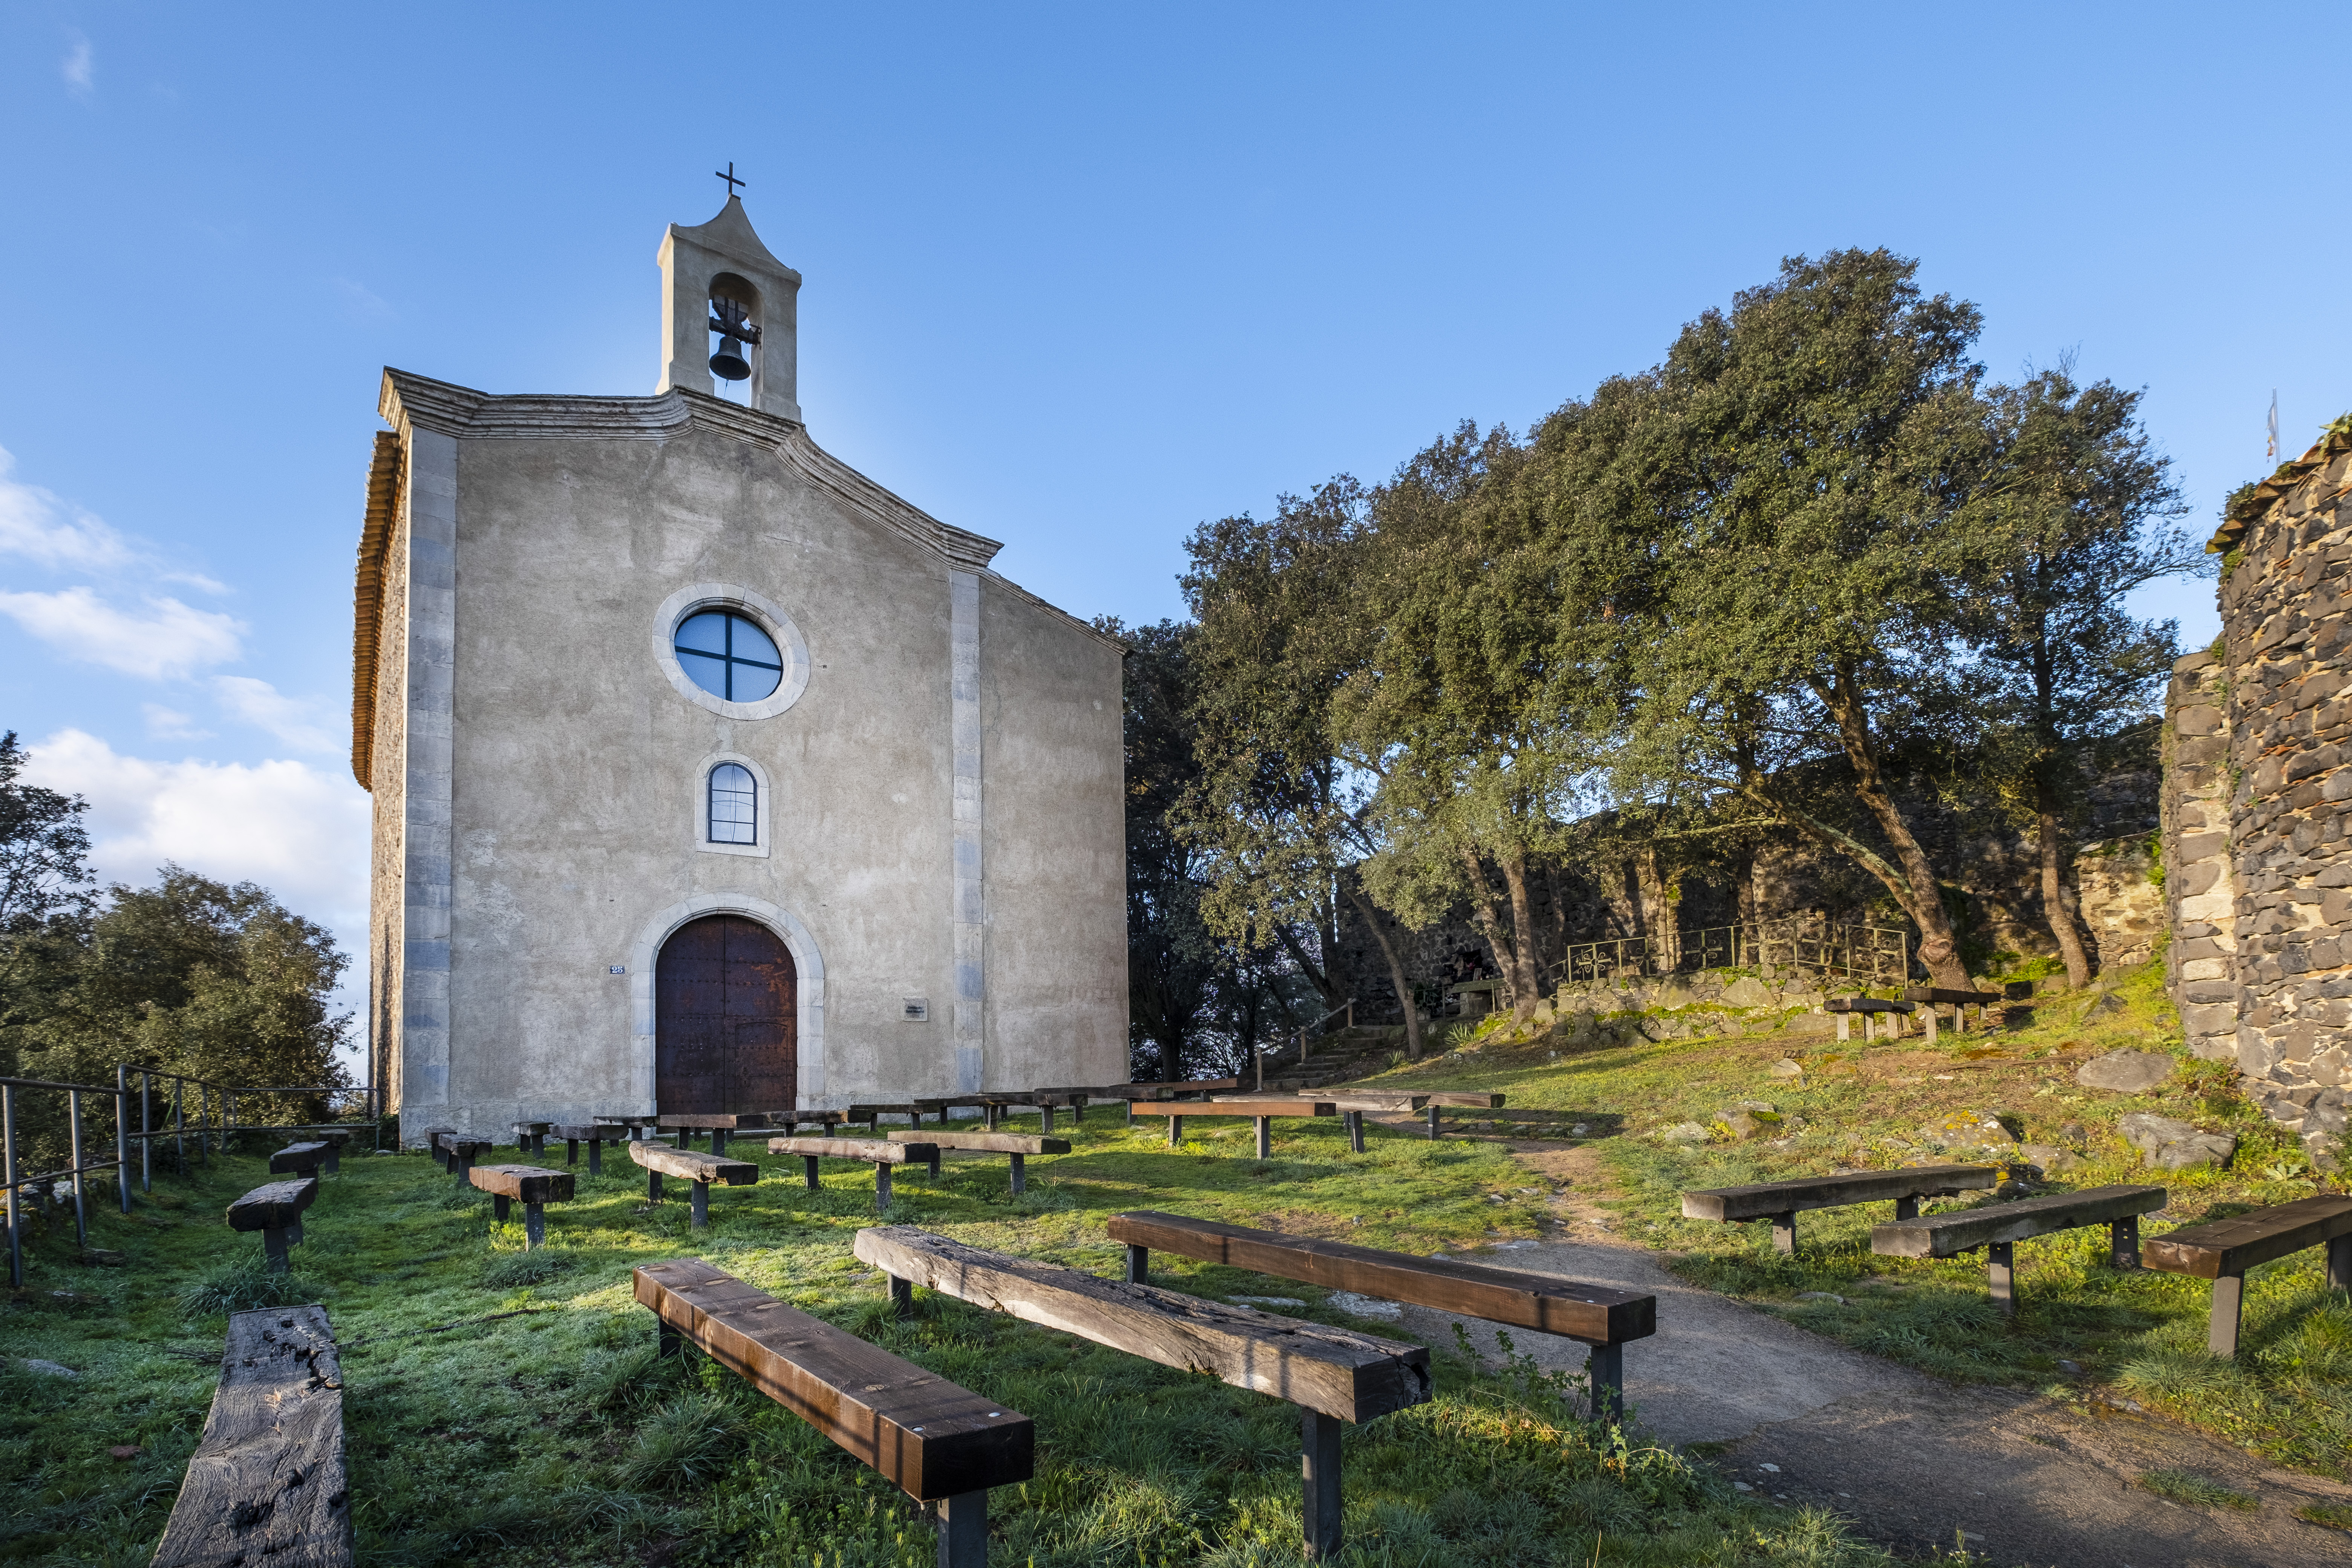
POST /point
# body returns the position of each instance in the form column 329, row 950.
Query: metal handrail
column 1349, row 1008
column 1853, row 950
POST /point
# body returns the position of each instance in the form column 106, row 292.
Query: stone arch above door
column 809, row 1004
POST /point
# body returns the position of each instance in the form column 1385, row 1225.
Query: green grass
column 551, row 1432
column 2136, row 1336
column 2198, row 1492
column 2334, row 1515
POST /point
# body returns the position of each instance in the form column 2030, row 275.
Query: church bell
column 729, row 364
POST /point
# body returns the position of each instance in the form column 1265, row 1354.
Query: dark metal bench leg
column 1907, row 1208
column 334, row 1159
column 1356, row 1132
column 963, row 1531
column 808, row 1162
column 1264, row 1137
column 1020, row 1173
column 2001, row 1273
column 670, row 1342
column 701, row 1204
column 1046, row 1111
column 937, row 1155
column 653, row 1186
column 596, row 1164
column 1606, row 1371
column 902, row 1297
column 990, row 1114
column 1433, row 1124
column 881, row 1187
column 2123, row 1241
column 1139, row 1265
column 1130, row 1113
column 273, row 1245
column 1175, row 1130
column 1784, row 1234
column 1320, row 1469
column 534, row 1225
column 2222, row 1328
column 2339, row 1263
column 499, row 1205
column 571, row 1150
column 718, row 1140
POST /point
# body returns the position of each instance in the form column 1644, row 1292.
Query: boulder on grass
column 1972, row 1133
column 2170, row 1145
column 1683, row 1132
column 2126, row 1071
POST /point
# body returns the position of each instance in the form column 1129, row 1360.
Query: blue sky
column 1078, row 279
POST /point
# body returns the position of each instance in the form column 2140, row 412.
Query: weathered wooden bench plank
column 880, row 1153
column 528, row 1184
column 1331, row 1375
column 1260, row 1109
column 595, row 1134
column 268, row 1483
column 1019, row 1145
column 938, row 1443
column 1998, row 1228
column 659, row 1160
column 1599, row 1316
column 1781, row 1202
column 2222, row 1250
column 462, row 1153
column 300, row 1158
column 275, row 1210
column 719, row 1124
column 433, row 1136
column 530, row 1137
column 872, row 1114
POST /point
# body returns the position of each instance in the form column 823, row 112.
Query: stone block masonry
column 2199, row 890
column 2284, row 721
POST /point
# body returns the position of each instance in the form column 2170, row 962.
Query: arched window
column 734, row 805
column 729, row 655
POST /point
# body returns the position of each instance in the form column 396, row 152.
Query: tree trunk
column 1484, row 916
column 1527, row 985
column 1396, row 972
column 2057, row 902
column 1316, row 977
column 1917, row 888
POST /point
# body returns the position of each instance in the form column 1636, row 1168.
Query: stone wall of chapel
column 388, row 805
column 2199, row 889
column 2288, row 649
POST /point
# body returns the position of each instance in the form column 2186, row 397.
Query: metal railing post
column 15, row 1216
column 122, row 1135
column 180, row 1124
column 73, row 1130
column 146, row 1128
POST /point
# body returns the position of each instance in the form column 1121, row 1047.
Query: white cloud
column 305, row 723
column 33, row 524
column 171, row 724
column 300, row 831
column 76, row 67
column 171, row 639
column 361, row 298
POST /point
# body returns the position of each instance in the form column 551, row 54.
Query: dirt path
column 1911, row 1459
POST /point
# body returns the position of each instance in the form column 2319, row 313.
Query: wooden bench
column 530, row 1137
column 639, row 1126
column 533, row 1187
column 1444, row 1099
column 462, row 1154
column 1132, row 1093
column 2222, row 1250
column 268, row 1483
column 882, row 1152
column 1261, row 1112
column 595, row 1134
column 1847, row 1008
column 433, row 1136
column 1019, row 1145
column 301, row 1159
column 826, row 1121
column 1331, row 1375
column 1998, row 1228
column 936, row 1442
column 660, row 1159
column 1931, row 997
column 718, row 1124
column 1599, row 1316
column 940, row 1105
column 872, row 1115
column 276, row 1211
column 1781, row 1202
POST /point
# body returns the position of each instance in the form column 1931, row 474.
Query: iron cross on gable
column 729, row 177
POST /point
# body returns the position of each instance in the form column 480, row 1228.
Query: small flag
column 2271, row 450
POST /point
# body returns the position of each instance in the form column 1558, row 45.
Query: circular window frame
column 697, row 597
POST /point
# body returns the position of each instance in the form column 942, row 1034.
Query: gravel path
column 2032, row 1482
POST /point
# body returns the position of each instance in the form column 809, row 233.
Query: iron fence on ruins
column 1874, row 955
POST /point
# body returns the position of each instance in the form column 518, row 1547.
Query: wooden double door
column 726, row 1019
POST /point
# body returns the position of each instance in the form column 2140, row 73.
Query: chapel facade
column 708, row 775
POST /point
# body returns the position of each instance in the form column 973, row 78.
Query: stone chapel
column 710, row 775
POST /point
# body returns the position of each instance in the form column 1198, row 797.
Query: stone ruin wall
column 2285, row 690
column 2200, row 892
